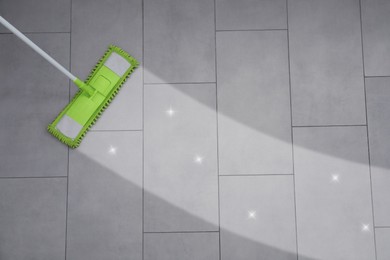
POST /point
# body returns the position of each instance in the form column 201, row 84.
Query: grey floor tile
column 119, row 24
column 378, row 116
column 333, row 194
column 376, row 37
column 326, row 62
column 179, row 41
column 382, row 243
column 254, row 124
column 105, row 197
column 257, row 217
column 37, row 16
column 32, row 218
column 180, row 158
column 251, row 14
column 189, row 246
column 32, row 93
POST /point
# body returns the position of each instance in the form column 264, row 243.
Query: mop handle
column 36, row 48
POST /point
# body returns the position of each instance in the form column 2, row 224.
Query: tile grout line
column 180, row 232
column 10, row 33
column 33, row 177
column 135, row 130
column 250, row 30
column 303, row 126
column 68, row 154
column 217, row 128
column 368, row 139
column 368, row 77
column 180, row 83
column 66, row 209
column 255, row 175
column 292, row 133
column 143, row 129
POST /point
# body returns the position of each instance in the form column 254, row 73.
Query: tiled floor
column 254, row 129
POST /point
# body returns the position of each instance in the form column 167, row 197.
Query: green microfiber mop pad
column 94, row 96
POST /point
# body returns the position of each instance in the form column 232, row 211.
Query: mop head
column 82, row 112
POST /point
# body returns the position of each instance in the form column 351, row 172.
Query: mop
column 94, row 95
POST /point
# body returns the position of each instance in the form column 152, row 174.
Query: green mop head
column 94, row 96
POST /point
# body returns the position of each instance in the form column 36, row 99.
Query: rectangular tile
column 119, row 24
column 251, row 14
column 189, row 246
column 257, row 217
column 179, row 41
column 32, row 218
column 32, row 93
column 105, row 197
column 181, row 192
column 326, row 62
column 333, row 193
column 33, row 16
column 378, row 116
column 382, row 243
column 254, row 124
column 376, row 37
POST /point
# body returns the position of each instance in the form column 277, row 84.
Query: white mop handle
column 36, row 48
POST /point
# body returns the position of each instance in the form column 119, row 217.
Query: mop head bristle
column 71, row 125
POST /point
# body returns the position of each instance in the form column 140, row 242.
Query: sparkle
column 170, row 112
column 251, row 214
column 335, row 178
column 198, row 159
column 112, row 150
column 365, row 227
